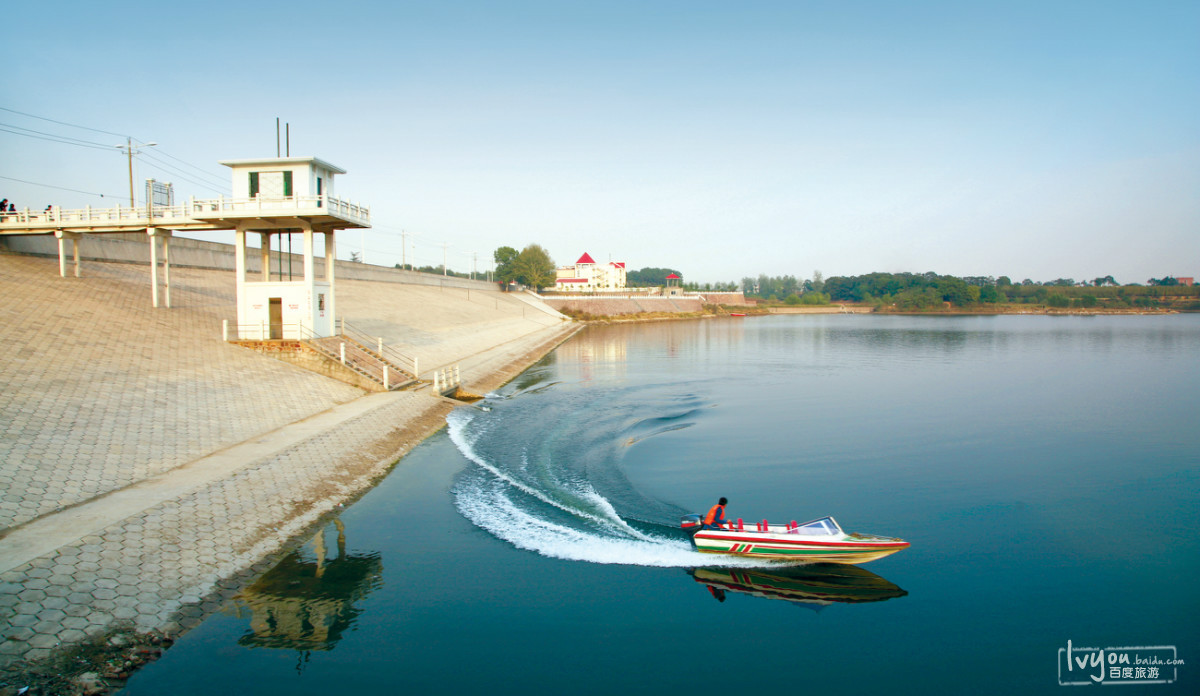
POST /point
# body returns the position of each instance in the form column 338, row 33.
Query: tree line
column 920, row 291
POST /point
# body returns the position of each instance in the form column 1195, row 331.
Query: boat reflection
column 813, row 586
column 307, row 601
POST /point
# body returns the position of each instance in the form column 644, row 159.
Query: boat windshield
column 823, row 526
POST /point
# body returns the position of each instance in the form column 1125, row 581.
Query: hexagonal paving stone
column 43, row 640
column 124, row 613
column 53, row 615
column 54, row 602
column 32, row 595
column 35, row 584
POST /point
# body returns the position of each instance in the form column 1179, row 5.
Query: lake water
column 1045, row 469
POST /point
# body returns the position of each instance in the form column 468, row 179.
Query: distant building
column 673, row 285
column 585, row 275
column 1186, row 281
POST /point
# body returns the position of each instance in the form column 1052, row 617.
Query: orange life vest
column 715, row 516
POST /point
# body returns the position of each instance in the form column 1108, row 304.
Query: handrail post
column 343, row 352
column 386, row 387
column 225, row 330
column 416, row 372
column 381, row 347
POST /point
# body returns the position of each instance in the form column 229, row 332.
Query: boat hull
column 791, row 547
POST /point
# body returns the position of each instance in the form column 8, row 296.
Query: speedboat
column 821, row 540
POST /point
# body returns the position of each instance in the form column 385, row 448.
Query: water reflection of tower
column 306, row 602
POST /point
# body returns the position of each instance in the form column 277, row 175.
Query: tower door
column 276, row 311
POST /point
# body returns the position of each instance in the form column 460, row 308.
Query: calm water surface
column 1045, row 469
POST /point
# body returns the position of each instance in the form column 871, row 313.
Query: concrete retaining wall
column 195, row 253
column 608, row 306
column 728, row 298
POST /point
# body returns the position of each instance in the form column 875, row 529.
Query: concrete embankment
column 148, row 468
column 617, row 306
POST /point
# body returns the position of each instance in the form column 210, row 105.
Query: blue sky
column 1034, row 140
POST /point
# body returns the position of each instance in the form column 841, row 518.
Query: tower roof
column 585, row 258
column 281, row 161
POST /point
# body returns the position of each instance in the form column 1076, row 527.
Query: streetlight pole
column 130, row 151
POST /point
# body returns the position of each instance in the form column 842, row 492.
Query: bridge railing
column 55, row 216
column 192, row 212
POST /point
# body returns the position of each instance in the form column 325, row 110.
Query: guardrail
column 380, row 367
column 445, row 379
column 191, row 213
column 261, row 331
column 55, row 216
column 215, row 207
column 383, row 351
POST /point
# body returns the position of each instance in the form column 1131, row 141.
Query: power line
column 54, row 135
column 64, row 123
column 68, row 140
column 205, row 171
column 63, row 188
column 176, row 172
column 57, row 139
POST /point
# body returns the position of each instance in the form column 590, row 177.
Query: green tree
column 650, row 277
column 505, row 257
column 990, row 295
column 534, row 267
column 955, row 291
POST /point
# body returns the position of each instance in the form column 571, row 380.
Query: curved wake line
column 457, row 431
column 608, row 539
column 491, row 510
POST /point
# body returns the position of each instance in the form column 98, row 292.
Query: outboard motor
column 690, row 523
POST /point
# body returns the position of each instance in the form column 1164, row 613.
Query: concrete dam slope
column 147, row 466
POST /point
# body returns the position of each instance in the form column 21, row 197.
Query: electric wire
column 63, row 123
column 54, row 139
column 64, row 188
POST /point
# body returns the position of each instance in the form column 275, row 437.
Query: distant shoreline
column 849, row 308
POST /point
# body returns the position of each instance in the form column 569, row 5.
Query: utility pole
column 403, row 249
column 444, row 245
column 130, row 151
column 474, row 263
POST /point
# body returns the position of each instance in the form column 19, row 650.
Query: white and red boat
column 819, row 541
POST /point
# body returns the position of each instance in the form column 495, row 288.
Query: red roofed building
column 588, row 276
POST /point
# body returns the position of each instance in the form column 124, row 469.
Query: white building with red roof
column 585, row 275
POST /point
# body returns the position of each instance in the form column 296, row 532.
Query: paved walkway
column 146, row 466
